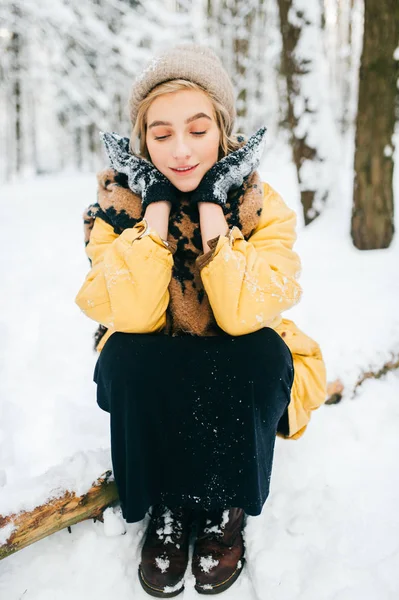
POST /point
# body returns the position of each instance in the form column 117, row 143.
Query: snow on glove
column 230, row 171
column 143, row 178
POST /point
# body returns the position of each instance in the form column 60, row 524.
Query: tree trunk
column 260, row 51
column 340, row 48
column 182, row 6
column 25, row 528
column 15, row 48
column 236, row 22
column 347, row 66
column 224, row 26
column 93, row 137
column 373, row 210
column 304, row 67
column 78, row 147
column 243, row 20
column 210, row 19
column 33, row 134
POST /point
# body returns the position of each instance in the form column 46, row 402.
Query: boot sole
column 222, row 587
column 157, row 592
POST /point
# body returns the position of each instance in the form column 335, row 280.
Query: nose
column 181, row 149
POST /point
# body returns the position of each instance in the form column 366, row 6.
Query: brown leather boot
column 219, row 550
column 164, row 556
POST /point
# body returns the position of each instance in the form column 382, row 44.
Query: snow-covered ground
column 330, row 528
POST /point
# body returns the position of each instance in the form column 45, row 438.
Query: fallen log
column 335, row 389
column 22, row 529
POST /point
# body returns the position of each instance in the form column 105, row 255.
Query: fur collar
column 189, row 311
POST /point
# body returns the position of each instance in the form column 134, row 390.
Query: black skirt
column 194, row 419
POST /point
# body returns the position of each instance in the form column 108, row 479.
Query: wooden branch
column 335, row 388
column 31, row 526
column 391, row 365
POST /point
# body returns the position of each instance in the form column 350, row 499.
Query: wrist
column 157, row 216
column 210, row 209
column 212, row 222
column 158, row 209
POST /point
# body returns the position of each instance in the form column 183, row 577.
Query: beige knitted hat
column 192, row 62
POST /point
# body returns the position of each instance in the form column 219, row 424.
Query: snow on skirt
column 194, row 419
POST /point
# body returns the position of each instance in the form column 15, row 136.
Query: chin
column 186, row 186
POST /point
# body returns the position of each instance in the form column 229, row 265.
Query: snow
column 171, row 527
column 169, row 589
column 6, row 532
column 224, row 520
column 163, row 563
column 207, row 563
column 239, row 164
column 330, row 527
column 312, row 104
column 77, row 473
column 114, row 523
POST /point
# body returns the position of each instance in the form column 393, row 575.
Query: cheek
column 155, row 152
column 212, row 148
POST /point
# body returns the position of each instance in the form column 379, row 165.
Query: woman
column 192, row 266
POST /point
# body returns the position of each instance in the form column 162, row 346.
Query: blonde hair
column 228, row 143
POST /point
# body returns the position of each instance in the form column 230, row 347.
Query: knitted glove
column 143, row 178
column 230, row 171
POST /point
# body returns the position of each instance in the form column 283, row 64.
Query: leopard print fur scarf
column 189, row 311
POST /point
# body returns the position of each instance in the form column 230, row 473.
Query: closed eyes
column 163, row 137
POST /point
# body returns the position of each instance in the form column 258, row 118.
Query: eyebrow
column 199, row 115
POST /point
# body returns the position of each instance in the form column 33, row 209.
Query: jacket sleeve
column 127, row 287
column 249, row 283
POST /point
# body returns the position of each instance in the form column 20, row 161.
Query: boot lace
column 167, row 523
column 215, row 523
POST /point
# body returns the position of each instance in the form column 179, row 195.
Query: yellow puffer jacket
column 248, row 284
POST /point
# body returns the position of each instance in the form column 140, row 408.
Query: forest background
column 321, row 74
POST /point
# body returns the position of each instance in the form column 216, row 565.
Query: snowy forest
column 299, row 67
column 323, row 77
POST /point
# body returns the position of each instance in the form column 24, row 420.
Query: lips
column 184, row 170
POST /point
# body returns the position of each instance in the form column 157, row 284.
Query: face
column 182, row 137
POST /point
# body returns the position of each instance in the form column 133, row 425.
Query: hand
column 143, row 178
column 230, row 171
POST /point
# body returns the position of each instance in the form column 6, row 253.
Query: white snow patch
column 225, row 518
column 6, row 532
column 170, row 527
column 114, row 523
column 213, row 529
column 162, row 563
column 169, row 589
column 77, row 474
column 207, row 563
